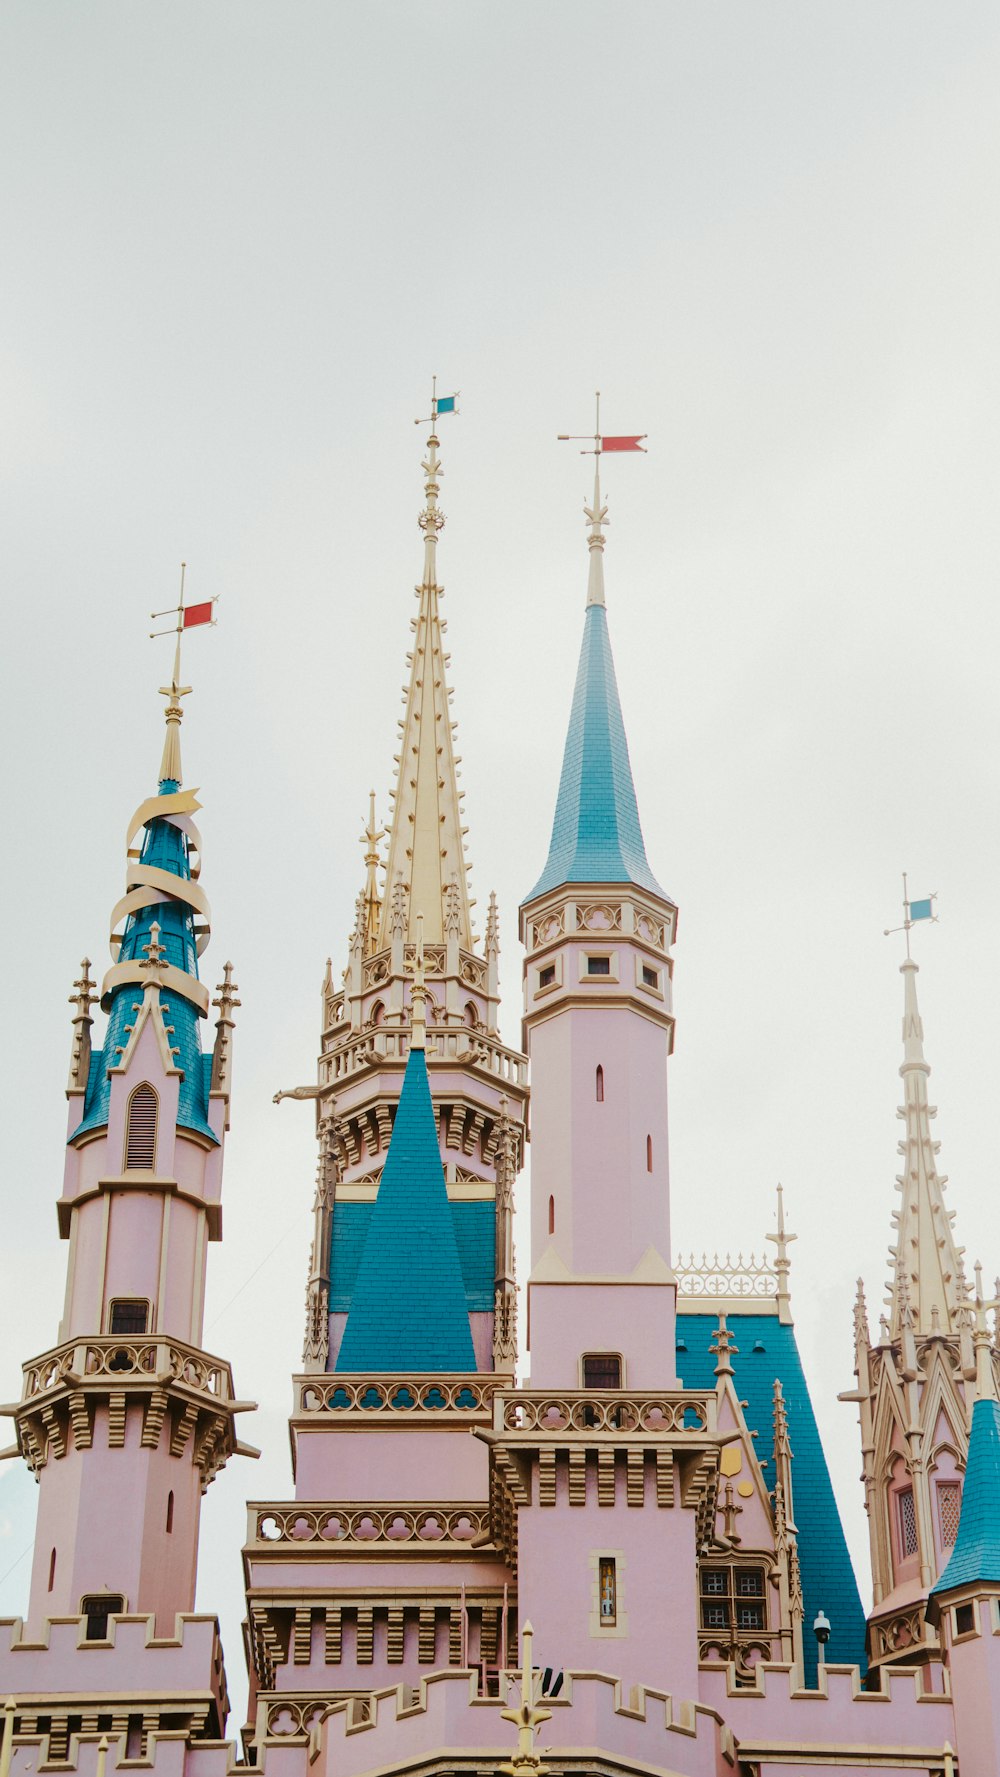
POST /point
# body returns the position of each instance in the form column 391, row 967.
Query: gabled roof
column 767, row 1350
column 976, row 1555
column 596, row 832
column 408, row 1308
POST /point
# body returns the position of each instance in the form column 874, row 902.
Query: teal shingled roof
column 408, row 1309
column 596, row 835
column 475, row 1236
column 976, row 1555
column 828, row 1581
column 165, row 847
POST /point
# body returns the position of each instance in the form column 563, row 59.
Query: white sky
column 238, row 238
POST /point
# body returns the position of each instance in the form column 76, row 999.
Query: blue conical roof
column 976, row 1555
column 408, row 1310
column 165, row 847
column 596, row 834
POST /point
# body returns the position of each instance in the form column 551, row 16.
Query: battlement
column 775, row 1715
column 168, row 1754
column 407, row 1725
column 60, row 1664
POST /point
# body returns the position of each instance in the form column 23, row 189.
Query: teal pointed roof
column 408, row 1308
column 976, row 1555
column 165, row 847
column 596, row 833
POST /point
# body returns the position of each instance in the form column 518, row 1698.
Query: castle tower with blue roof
column 127, row 1419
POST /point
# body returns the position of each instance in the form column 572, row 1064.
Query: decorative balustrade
column 149, row 1359
column 615, row 1411
column 392, row 1043
column 346, row 1397
column 726, row 1276
column 433, row 1526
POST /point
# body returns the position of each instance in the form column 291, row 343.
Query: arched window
column 140, row 1130
column 471, row 1016
column 649, row 1153
column 170, row 1512
column 378, row 1013
column 552, row 1215
column 600, row 1085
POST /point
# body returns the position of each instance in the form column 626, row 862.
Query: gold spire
column 170, row 764
column 418, row 993
column 426, row 850
column 526, row 1760
column 926, row 1261
column 372, row 907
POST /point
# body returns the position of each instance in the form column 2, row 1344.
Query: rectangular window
column 649, row 976
column 546, row 976
column 602, row 1370
column 598, row 965
column 965, row 1619
column 608, row 1584
column 907, row 1523
column 128, row 1317
column 733, row 1597
column 949, row 1497
column 97, row 1609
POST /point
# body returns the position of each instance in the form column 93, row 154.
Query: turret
column 598, row 928
column 127, row 1419
column 914, row 1385
column 478, row 1087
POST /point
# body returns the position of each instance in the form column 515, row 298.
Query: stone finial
column 724, row 1348
column 782, row 1240
column 226, row 1003
column 82, row 999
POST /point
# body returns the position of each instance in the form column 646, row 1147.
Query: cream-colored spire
column 926, row 1262
column 372, row 909
column 597, row 516
column 426, row 849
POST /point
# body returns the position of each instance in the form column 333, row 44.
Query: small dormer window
column 140, row 1130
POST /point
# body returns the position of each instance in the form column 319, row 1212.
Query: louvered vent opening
column 140, row 1131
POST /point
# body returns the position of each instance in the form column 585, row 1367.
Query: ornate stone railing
column 360, row 1398
column 614, row 1411
column 725, row 1276
column 392, row 1043
column 434, row 1526
column 146, row 1359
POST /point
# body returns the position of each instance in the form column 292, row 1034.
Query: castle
column 633, row 1560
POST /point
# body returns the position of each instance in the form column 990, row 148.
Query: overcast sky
column 238, row 238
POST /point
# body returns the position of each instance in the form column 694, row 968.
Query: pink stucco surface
column 402, row 1463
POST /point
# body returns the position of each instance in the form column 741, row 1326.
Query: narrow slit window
column 52, row 1570
column 907, row 1523
column 949, row 1496
column 600, row 1085
column 140, row 1130
column 170, row 1512
column 608, row 1587
column 649, row 1153
column 552, row 1215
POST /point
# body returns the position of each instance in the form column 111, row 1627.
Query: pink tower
column 127, row 1419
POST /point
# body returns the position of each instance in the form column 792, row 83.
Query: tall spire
column 372, row 899
column 925, row 1259
column 596, row 832
column 426, row 838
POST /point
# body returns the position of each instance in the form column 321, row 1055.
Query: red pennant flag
column 195, row 614
column 631, row 442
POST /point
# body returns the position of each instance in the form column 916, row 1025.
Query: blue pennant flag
column 446, row 404
column 921, row 909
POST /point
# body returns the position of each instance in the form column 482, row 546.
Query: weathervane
column 188, row 617
column 913, row 913
column 597, row 514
